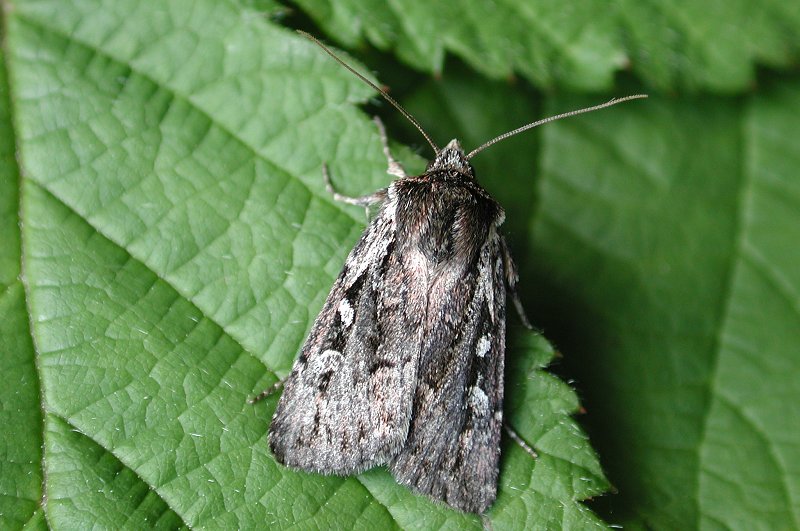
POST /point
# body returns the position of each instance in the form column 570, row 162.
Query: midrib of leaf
column 6, row 97
column 740, row 254
column 745, row 184
column 27, row 295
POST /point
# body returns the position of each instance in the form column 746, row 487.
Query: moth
column 403, row 366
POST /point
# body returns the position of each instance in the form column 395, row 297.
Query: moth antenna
column 552, row 119
column 374, row 86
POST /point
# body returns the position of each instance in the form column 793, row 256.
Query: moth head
column 451, row 157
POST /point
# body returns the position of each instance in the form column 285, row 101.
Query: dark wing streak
column 453, row 444
column 346, row 405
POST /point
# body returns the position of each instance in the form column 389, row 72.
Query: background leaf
column 581, row 45
column 693, row 302
column 170, row 241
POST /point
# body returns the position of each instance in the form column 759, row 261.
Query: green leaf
column 174, row 241
column 578, row 45
column 86, row 483
column 678, row 248
column 20, row 414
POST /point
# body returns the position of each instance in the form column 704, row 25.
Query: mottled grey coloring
column 404, row 364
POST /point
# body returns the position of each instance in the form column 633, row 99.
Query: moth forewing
column 453, row 445
column 331, row 417
column 404, row 364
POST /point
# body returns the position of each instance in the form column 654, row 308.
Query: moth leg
column 267, row 392
column 395, row 168
column 364, row 200
column 517, row 439
column 511, row 281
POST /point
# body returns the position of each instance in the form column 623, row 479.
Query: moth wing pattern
column 347, row 404
column 453, row 445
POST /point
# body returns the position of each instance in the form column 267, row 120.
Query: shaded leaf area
column 676, row 45
column 176, row 242
column 670, row 276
